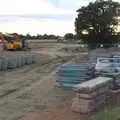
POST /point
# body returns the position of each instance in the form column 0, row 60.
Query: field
column 31, row 88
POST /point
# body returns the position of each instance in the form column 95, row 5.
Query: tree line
column 38, row 36
column 67, row 36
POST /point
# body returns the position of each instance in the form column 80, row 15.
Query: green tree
column 45, row 36
column 96, row 23
column 68, row 36
column 52, row 37
column 28, row 36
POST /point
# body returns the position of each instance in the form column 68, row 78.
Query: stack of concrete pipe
column 16, row 61
column 91, row 94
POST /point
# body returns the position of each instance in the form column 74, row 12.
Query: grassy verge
column 108, row 114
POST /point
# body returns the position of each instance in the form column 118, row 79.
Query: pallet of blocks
column 12, row 61
column 90, row 94
column 69, row 75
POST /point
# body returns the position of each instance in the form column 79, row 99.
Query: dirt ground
column 60, row 112
column 32, row 88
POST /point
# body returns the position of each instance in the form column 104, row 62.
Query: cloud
column 35, row 16
column 117, row 0
column 34, row 26
column 73, row 4
column 39, row 16
column 8, row 7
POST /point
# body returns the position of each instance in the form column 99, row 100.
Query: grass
column 108, row 114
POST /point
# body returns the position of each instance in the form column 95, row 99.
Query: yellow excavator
column 14, row 43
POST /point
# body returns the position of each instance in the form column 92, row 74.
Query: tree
column 52, row 37
column 28, row 36
column 45, row 36
column 96, row 23
column 68, row 36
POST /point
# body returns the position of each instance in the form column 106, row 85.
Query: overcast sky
column 39, row 16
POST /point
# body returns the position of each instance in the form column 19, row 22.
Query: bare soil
column 33, row 88
column 61, row 112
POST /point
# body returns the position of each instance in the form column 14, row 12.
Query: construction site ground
column 30, row 92
column 33, row 88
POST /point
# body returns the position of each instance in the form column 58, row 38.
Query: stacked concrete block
column 117, row 80
column 12, row 62
column 1, row 64
column 19, row 61
column 16, row 61
column 90, row 94
column 5, row 61
column 28, row 59
column 23, row 59
column 34, row 58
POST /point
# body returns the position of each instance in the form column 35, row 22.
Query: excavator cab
column 12, row 42
column 17, row 43
column 10, row 46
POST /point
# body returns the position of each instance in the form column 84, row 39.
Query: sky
column 39, row 16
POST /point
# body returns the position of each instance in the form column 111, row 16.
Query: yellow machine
column 14, row 44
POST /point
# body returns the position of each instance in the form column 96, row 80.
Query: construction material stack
column 116, row 79
column 71, row 74
column 91, row 94
column 93, row 57
column 12, row 61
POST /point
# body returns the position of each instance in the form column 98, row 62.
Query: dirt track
column 32, row 88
